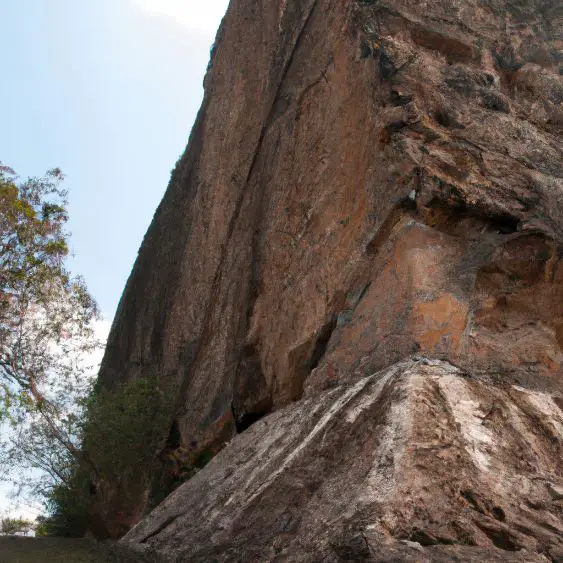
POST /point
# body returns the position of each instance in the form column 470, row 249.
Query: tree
column 45, row 314
column 15, row 526
column 46, row 337
column 67, row 440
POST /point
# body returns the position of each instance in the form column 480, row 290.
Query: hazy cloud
column 194, row 14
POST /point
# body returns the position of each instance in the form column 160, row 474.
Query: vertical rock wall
column 366, row 180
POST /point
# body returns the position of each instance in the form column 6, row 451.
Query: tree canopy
column 46, row 314
column 46, row 337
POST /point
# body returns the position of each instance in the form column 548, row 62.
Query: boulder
column 418, row 462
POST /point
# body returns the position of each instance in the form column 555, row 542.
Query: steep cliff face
column 366, row 181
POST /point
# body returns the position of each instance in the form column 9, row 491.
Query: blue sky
column 106, row 90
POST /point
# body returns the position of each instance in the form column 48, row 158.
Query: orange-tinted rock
column 365, row 181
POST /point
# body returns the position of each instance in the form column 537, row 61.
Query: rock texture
column 366, row 180
column 415, row 463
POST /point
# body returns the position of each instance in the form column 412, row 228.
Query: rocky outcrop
column 419, row 462
column 366, row 180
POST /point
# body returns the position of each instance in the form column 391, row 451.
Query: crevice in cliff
column 310, row 86
column 246, row 420
column 321, row 344
column 251, row 405
column 307, row 355
column 446, row 213
column 244, row 417
column 384, row 232
column 251, row 394
column 426, row 539
column 233, row 221
column 500, row 537
column 159, row 529
column 443, row 205
column 483, row 506
column 174, row 440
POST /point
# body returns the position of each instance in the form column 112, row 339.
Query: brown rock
column 419, row 462
column 366, row 180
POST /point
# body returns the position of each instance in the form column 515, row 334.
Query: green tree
column 46, row 315
column 46, row 338
column 12, row 526
column 66, row 441
column 41, row 526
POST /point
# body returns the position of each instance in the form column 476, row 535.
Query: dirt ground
column 61, row 550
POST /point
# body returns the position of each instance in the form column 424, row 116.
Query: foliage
column 46, row 338
column 41, row 526
column 68, row 440
column 41, row 453
column 12, row 526
column 67, row 506
column 121, row 429
column 125, row 426
column 46, row 315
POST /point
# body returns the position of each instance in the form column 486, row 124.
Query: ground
column 60, row 550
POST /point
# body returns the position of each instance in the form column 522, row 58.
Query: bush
column 123, row 428
column 67, row 508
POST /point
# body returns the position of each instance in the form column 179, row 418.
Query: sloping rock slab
column 419, row 462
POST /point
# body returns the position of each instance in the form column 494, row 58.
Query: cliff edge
column 357, row 268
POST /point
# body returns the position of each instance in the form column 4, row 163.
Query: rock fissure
column 367, row 181
column 234, row 220
column 160, row 528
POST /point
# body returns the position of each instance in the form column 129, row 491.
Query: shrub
column 125, row 426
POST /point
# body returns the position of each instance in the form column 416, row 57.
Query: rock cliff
column 367, row 182
column 419, row 462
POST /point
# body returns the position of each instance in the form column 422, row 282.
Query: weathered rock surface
column 366, row 180
column 415, row 463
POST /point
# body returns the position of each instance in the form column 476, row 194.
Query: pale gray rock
column 418, row 462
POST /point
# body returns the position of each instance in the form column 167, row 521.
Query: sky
column 106, row 90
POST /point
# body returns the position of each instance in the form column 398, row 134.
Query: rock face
column 366, row 180
column 419, row 454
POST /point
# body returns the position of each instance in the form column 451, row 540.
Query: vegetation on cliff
column 48, row 401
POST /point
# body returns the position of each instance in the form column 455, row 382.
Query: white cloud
column 101, row 330
column 194, row 14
